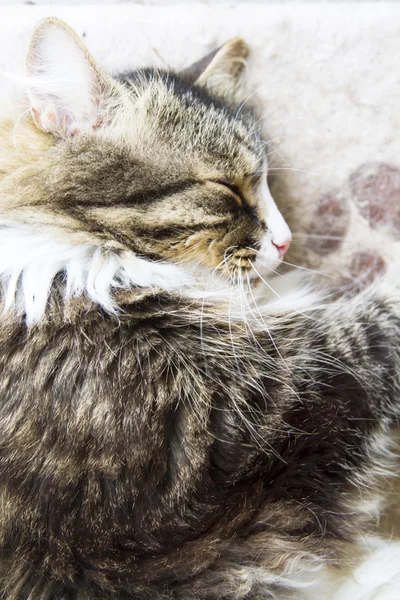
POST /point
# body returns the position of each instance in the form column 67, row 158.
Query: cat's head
column 169, row 168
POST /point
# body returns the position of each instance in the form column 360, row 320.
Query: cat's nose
column 282, row 247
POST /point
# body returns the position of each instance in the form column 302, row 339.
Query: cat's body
column 146, row 456
column 159, row 441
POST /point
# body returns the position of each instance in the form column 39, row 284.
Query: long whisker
column 284, row 262
column 318, row 236
column 269, row 143
column 289, row 169
column 274, row 151
column 263, row 116
column 231, row 332
column 201, row 324
column 246, row 100
column 256, row 435
column 271, row 269
column 262, row 319
column 280, row 297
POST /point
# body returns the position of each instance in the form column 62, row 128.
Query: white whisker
column 280, row 297
column 263, row 320
column 317, row 236
column 284, row 262
column 246, row 100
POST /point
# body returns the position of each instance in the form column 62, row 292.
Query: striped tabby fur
column 158, row 439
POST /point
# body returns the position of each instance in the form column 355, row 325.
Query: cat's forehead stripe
column 144, row 197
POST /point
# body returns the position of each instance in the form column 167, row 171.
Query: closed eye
column 234, row 189
column 241, row 200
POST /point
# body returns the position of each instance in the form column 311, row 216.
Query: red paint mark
column 375, row 188
column 365, row 267
column 329, row 223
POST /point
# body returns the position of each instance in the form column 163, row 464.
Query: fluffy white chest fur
column 29, row 262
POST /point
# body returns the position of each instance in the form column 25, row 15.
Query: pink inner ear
column 61, row 124
column 62, row 83
column 46, row 120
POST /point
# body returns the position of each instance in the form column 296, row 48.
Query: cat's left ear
column 220, row 71
column 68, row 91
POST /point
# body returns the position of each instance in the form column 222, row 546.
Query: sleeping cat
column 162, row 436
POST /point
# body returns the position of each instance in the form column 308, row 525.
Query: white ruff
column 376, row 578
column 29, row 262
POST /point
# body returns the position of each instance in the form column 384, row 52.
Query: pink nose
column 282, row 248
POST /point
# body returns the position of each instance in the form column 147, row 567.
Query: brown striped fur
column 174, row 450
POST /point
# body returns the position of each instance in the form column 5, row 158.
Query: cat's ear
column 220, row 71
column 68, row 91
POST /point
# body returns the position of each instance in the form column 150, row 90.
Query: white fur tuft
column 29, row 262
column 31, row 259
column 377, row 578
